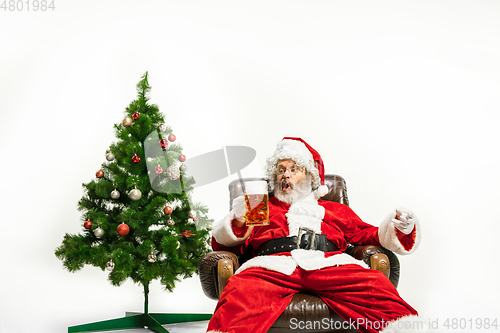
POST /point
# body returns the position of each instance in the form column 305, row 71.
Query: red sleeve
column 239, row 231
column 358, row 232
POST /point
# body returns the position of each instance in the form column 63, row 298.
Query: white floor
column 194, row 327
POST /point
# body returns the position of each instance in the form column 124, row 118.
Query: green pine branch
column 149, row 234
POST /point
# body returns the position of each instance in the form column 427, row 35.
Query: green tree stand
column 153, row 321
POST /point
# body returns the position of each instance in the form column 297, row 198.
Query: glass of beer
column 256, row 199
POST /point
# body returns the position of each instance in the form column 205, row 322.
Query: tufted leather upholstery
column 214, row 267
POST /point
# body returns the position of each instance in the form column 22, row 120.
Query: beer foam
column 256, row 187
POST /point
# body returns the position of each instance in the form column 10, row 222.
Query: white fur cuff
column 389, row 239
column 223, row 233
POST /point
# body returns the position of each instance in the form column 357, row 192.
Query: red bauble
column 136, row 159
column 87, row 224
column 171, row 138
column 163, row 143
column 158, row 170
column 182, row 158
column 136, row 115
column 167, row 210
column 99, row 174
column 123, row 229
column 195, row 219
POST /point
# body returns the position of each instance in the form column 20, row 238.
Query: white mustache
column 288, row 182
column 300, row 190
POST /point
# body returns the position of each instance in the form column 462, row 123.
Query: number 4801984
column 27, row 5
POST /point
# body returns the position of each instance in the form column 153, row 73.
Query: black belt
column 308, row 241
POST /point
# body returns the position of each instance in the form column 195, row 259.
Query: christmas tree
column 137, row 216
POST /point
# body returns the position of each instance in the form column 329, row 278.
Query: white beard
column 300, row 190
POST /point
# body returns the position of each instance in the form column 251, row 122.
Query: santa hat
column 305, row 156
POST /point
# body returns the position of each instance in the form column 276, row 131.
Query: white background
column 401, row 98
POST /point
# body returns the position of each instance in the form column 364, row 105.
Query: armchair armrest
column 209, row 268
column 225, row 269
column 378, row 258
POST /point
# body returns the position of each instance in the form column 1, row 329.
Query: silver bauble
column 152, row 257
column 110, row 265
column 135, row 194
column 170, row 222
column 110, row 156
column 98, row 232
column 192, row 214
column 173, row 172
column 115, row 194
column 178, row 244
column 183, row 168
column 162, row 128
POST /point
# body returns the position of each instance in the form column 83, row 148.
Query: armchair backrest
column 337, row 190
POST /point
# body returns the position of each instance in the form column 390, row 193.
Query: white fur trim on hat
column 223, row 232
column 322, row 190
column 389, row 239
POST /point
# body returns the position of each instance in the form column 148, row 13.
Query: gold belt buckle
column 301, row 229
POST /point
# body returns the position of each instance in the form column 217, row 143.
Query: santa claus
column 286, row 263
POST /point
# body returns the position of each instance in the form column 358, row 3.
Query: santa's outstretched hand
column 404, row 221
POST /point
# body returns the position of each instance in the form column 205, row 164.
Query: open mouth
column 285, row 185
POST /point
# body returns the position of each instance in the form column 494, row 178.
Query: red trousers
column 253, row 299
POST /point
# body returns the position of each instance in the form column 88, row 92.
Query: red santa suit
column 262, row 287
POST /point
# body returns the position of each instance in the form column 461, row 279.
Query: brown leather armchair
column 215, row 268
